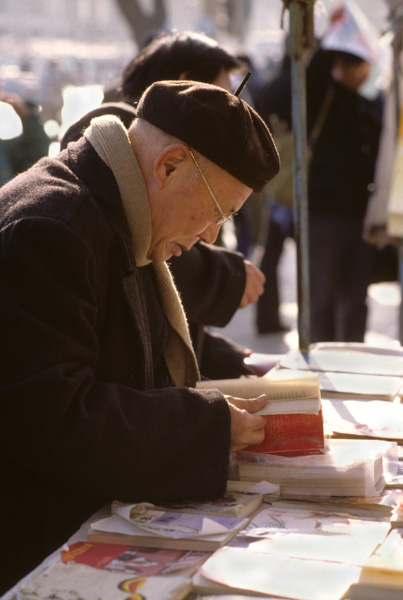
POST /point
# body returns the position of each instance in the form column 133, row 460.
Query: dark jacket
column 344, row 155
column 83, row 418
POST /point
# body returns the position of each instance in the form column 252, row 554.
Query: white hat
column 350, row 31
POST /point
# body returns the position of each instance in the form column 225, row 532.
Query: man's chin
column 177, row 249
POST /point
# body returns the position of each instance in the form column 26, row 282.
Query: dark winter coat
column 342, row 168
column 83, row 418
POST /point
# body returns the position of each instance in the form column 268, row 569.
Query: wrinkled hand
column 246, row 429
column 254, row 284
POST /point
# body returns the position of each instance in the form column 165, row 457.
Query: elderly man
column 98, row 372
column 212, row 281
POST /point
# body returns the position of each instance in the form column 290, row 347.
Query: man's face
column 353, row 75
column 183, row 212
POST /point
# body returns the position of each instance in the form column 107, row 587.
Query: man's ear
column 168, row 161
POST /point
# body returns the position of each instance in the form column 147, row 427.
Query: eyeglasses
column 223, row 217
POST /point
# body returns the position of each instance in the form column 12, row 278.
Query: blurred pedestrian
column 19, row 153
column 340, row 182
column 272, row 100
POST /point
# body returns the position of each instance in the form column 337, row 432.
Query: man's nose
column 210, row 234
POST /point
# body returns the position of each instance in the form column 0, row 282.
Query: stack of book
column 382, row 574
column 351, row 370
column 348, row 468
column 202, row 526
column 367, row 507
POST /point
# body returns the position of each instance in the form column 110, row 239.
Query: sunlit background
column 69, row 51
column 63, row 54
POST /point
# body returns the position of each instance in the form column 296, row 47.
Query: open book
column 292, row 395
column 295, row 423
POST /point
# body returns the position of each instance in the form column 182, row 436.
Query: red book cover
column 292, row 435
column 132, row 559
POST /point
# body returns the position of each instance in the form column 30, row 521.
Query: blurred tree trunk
column 238, row 13
column 141, row 21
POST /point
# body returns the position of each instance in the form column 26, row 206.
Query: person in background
column 340, row 182
column 97, row 378
column 272, row 100
column 213, row 282
column 21, row 152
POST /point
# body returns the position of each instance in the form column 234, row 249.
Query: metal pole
column 401, row 292
column 301, row 34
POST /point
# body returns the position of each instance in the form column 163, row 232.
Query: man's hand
column 246, row 429
column 254, row 284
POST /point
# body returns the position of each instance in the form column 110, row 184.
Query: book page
column 285, row 392
column 306, row 534
column 335, row 384
column 134, row 560
column 279, row 575
column 377, row 419
column 381, row 387
column 166, row 524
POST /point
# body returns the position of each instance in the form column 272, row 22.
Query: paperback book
column 235, row 502
column 294, row 425
column 378, row 507
column 135, row 524
column 133, row 560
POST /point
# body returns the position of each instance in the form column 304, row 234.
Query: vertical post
column 401, row 293
column 300, row 14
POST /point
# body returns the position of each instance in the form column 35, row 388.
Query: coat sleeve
column 211, row 282
column 58, row 420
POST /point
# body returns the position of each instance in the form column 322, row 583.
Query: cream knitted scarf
column 110, row 140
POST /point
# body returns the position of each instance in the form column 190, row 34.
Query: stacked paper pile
column 382, row 574
column 348, row 468
column 350, row 370
column 201, row 526
column 293, row 554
